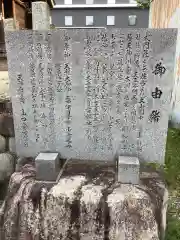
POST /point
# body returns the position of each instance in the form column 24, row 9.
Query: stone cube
column 128, row 170
column 47, row 166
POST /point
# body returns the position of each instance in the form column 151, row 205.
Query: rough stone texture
column 91, row 212
column 82, row 206
column 12, row 145
column 125, row 212
column 40, row 16
column 87, row 116
column 132, row 214
column 146, row 202
column 61, row 202
column 21, row 161
column 7, row 125
column 128, row 170
column 157, row 190
column 6, row 165
column 101, row 172
column 2, row 144
column 47, row 166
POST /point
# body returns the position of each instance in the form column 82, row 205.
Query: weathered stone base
column 88, row 204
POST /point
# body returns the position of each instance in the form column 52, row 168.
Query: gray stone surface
column 47, row 166
column 92, row 94
column 6, row 165
column 40, row 15
column 2, row 144
column 128, row 170
column 12, row 145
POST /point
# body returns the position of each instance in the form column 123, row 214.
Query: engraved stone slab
column 128, row 170
column 92, row 93
column 47, row 166
column 40, row 16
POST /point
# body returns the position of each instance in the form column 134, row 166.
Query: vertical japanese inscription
column 120, row 78
column 125, row 92
column 50, row 91
column 23, row 124
column 67, row 89
column 51, row 98
column 59, row 78
column 144, row 74
column 146, row 48
column 159, row 71
column 127, row 83
column 42, row 99
column 88, row 114
column 136, row 93
column 34, row 50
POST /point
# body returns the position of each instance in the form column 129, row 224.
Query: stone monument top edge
column 129, row 160
column 47, row 155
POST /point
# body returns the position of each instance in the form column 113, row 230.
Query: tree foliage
column 144, row 3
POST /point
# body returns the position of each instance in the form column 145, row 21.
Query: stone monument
column 40, row 15
column 92, row 94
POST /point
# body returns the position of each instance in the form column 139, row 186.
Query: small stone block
column 128, row 170
column 47, row 166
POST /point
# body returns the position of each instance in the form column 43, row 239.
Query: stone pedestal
column 47, row 166
column 40, row 16
column 128, row 170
